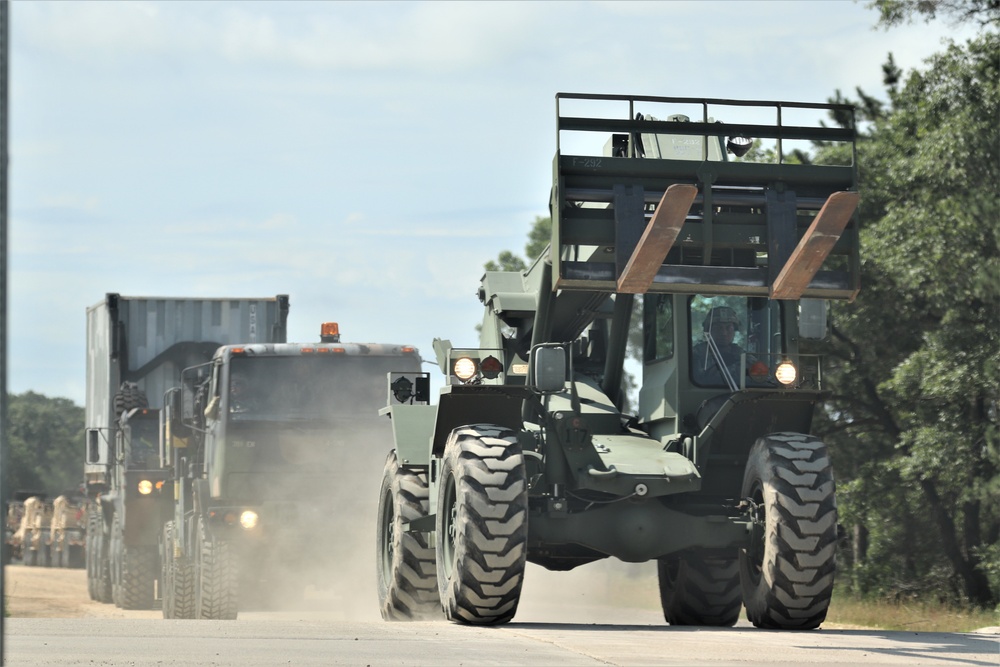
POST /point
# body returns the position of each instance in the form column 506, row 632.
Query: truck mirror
column 422, row 388
column 812, row 319
column 549, row 369
column 93, row 446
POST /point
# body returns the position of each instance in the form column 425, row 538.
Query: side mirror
column 549, row 369
column 812, row 319
column 93, row 446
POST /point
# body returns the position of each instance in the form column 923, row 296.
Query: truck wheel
column 217, row 589
column 103, row 564
column 30, row 555
column 114, row 561
column 129, row 396
column 77, row 558
column 481, row 526
column 90, row 554
column 787, row 571
column 700, row 589
column 178, row 579
column 138, row 577
column 406, row 573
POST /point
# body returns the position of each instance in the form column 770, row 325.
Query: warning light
column 329, row 332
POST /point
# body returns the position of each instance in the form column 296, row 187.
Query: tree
column 917, row 384
column 45, row 437
column 896, row 12
column 538, row 238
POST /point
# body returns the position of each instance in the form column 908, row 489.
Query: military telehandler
column 535, row 453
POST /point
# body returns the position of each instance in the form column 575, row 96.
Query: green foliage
column 916, row 364
column 538, row 239
column 897, row 12
column 45, row 444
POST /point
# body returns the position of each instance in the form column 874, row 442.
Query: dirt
column 43, row 592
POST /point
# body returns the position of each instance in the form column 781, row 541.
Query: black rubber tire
column 177, row 576
column 30, row 555
column 406, row 573
column 128, row 397
column 699, row 588
column 103, row 565
column 77, row 557
column 217, row 578
column 90, row 555
column 114, row 560
column 138, row 577
column 482, row 525
column 788, row 570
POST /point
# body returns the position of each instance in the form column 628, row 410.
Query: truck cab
column 267, row 443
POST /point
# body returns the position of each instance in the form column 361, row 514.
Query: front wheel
column 217, row 591
column 177, row 577
column 787, row 571
column 406, row 571
column 482, row 525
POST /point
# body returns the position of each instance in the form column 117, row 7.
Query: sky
column 366, row 159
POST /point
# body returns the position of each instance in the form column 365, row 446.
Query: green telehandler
column 534, row 452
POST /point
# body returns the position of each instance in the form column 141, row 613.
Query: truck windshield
column 143, row 442
column 733, row 325
column 308, row 387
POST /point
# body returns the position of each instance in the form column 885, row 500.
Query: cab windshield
column 743, row 333
column 308, row 387
column 143, row 442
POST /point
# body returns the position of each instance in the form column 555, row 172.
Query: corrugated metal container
column 150, row 340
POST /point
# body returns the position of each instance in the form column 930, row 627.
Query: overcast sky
column 365, row 158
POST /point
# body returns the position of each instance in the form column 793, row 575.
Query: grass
column 917, row 616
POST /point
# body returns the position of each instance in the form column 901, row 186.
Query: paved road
column 304, row 639
column 565, row 619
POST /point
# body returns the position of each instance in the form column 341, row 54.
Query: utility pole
column 4, row 124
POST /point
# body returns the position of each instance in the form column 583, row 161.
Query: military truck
column 68, row 530
column 13, row 534
column 136, row 350
column 32, row 536
column 267, row 445
column 531, row 453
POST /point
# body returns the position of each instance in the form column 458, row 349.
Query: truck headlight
column 145, row 487
column 465, row 368
column 249, row 519
column 785, row 373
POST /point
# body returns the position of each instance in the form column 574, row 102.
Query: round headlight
column 249, row 519
column 785, row 373
column 145, row 487
column 464, row 369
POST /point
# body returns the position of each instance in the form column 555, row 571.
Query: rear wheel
column 177, row 577
column 138, row 577
column 482, row 525
column 406, row 572
column 102, row 562
column 30, row 555
column 115, row 561
column 90, row 553
column 217, row 590
column 787, row 571
column 700, row 589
